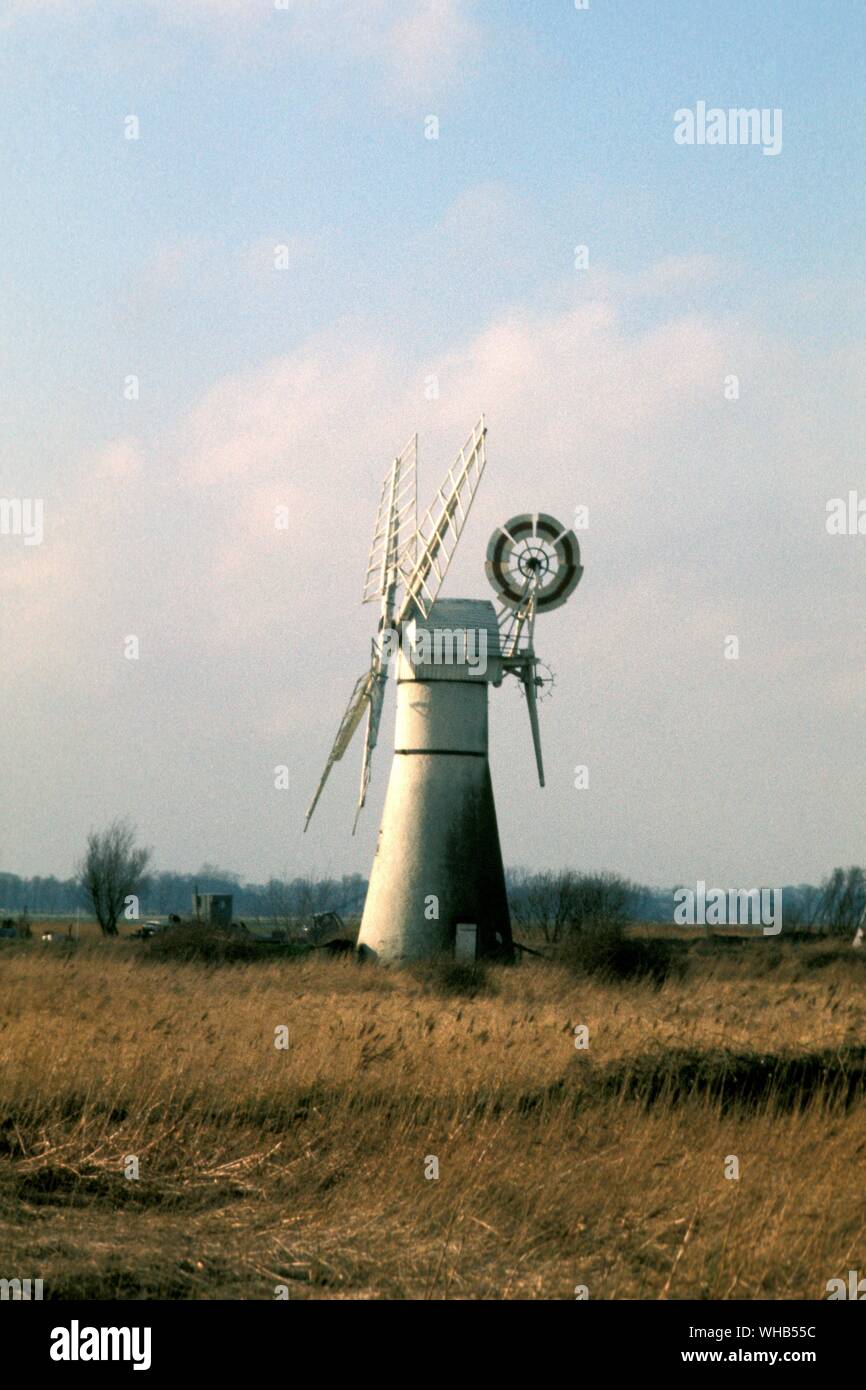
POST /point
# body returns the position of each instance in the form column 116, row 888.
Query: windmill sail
column 374, row 714
column 440, row 529
column 405, row 569
column 394, row 542
column 395, row 530
column 348, row 724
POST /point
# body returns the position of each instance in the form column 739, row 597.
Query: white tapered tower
column 437, row 885
column 438, row 865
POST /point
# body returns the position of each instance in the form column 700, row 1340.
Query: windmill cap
column 458, row 640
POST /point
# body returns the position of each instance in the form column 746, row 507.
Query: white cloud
column 416, row 44
column 677, row 272
column 705, row 518
column 431, row 38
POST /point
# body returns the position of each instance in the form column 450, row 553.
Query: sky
column 237, row 273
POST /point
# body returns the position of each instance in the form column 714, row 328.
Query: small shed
column 214, row 908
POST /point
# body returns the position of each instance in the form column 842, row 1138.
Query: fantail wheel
column 533, row 555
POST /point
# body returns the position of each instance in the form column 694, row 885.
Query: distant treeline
column 164, row 893
column 839, row 904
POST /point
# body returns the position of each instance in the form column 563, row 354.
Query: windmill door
column 466, row 941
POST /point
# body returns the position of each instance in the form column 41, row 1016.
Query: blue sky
column 407, row 257
column 570, row 113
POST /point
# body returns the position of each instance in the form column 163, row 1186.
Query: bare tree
column 313, row 895
column 601, row 902
column 810, row 901
column 545, row 901
column 843, row 900
column 561, row 902
column 291, row 904
column 111, row 871
column 803, row 911
column 278, row 904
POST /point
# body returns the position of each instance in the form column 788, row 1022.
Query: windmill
column 437, row 883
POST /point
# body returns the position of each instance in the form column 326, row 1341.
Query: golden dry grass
column 305, row 1167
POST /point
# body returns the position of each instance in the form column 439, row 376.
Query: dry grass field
column 305, row 1166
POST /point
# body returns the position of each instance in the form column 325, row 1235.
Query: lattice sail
column 395, row 532
column 440, row 529
column 405, row 570
column 358, row 703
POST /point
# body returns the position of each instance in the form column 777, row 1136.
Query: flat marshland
column 304, row 1166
